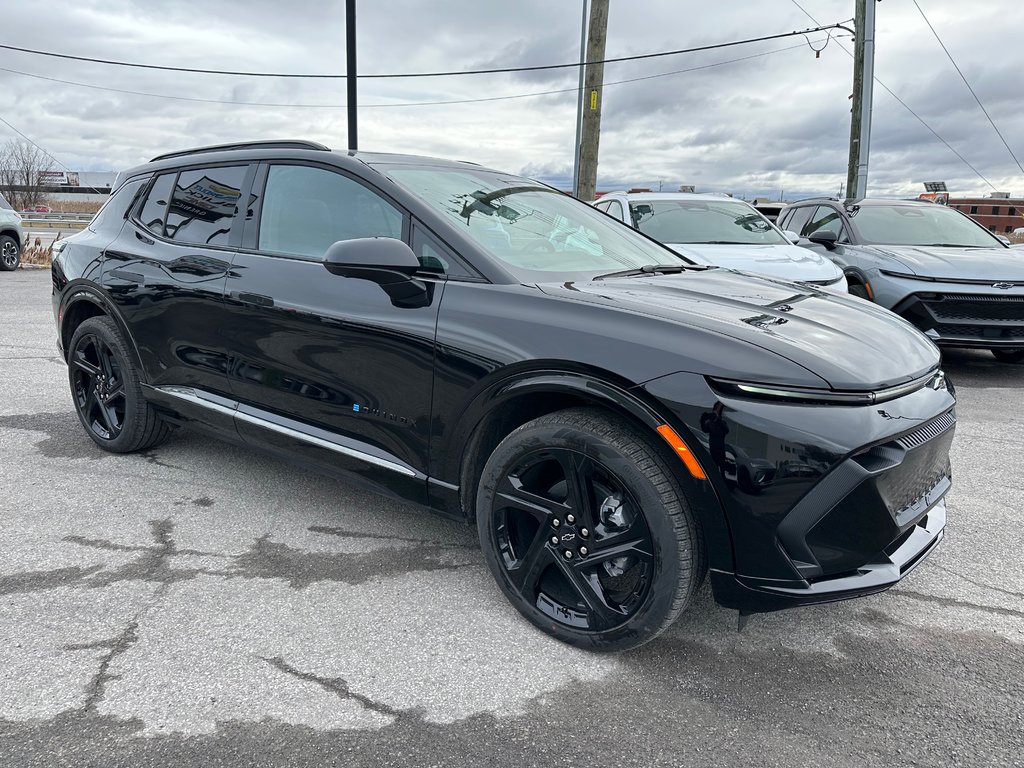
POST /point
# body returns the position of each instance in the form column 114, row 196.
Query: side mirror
column 793, row 237
column 385, row 261
column 824, row 237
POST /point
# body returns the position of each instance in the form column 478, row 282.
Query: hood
column 995, row 264
column 786, row 262
column 849, row 343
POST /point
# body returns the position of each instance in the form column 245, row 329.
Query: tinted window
column 797, row 219
column 615, row 209
column 306, row 209
column 436, row 258
column 825, row 219
column 113, row 211
column 204, row 204
column 155, row 210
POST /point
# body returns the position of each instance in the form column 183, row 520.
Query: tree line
column 22, row 167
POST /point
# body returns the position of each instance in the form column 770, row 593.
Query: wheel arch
column 15, row 234
column 82, row 302
column 515, row 400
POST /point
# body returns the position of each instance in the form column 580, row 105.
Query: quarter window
column 116, row 207
column 306, row 209
column 203, row 205
column 154, row 212
column 798, row 218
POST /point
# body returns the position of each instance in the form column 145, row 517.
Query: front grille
column 959, row 306
column 929, row 431
column 981, row 331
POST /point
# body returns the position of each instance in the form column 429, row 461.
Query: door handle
column 253, row 298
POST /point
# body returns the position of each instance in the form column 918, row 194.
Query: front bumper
column 967, row 318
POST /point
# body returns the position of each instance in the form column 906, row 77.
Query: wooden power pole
column 863, row 90
column 593, row 95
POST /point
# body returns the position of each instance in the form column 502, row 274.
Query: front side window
column 203, row 205
column 704, row 221
column 933, row 225
column 825, row 219
column 537, row 232
column 306, row 209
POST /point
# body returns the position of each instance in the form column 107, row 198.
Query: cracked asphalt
column 204, row 605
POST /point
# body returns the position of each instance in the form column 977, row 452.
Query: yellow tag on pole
column 593, row 100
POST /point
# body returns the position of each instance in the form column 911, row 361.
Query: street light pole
column 579, row 106
column 350, row 72
column 863, row 97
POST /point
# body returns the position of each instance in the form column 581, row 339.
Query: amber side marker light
column 684, row 453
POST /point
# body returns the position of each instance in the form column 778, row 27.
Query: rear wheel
column 107, row 392
column 1009, row 355
column 587, row 531
column 10, row 254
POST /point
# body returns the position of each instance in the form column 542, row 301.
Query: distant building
column 999, row 215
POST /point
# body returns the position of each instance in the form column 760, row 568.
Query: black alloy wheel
column 1009, row 355
column 10, row 254
column 587, row 531
column 107, row 392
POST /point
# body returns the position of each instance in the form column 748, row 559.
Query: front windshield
column 703, row 221
column 536, row 231
column 919, row 225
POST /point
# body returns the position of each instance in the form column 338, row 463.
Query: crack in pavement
column 117, row 646
column 950, row 602
column 151, row 457
column 347, row 534
column 976, row 583
column 338, row 686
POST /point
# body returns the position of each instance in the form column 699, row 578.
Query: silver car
column 723, row 231
column 932, row 265
column 11, row 236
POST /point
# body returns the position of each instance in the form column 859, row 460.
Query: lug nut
column 584, row 532
column 555, row 523
column 570, row 519
column 568, row 554
column 554, row 539
column 583, row 551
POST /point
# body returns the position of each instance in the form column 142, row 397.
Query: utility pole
column 350, row 71
column 863, row 94
column 593, row 89
column 579, row 106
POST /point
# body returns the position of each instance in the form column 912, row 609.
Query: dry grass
column 35, row 252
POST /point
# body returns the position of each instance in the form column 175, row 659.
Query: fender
column 701, row 494
column 80, row 290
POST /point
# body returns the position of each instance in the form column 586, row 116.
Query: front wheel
column 860, row 291
column 10, row 254
column 587, row 531
column 1009, row 355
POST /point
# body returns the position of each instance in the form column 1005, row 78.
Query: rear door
column 166, row 270
column 327, row 367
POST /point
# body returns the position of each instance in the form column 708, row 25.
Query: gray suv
column 11, row 237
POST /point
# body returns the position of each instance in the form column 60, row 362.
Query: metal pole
column 350, row 71
column 867, row 97
column 579, row 106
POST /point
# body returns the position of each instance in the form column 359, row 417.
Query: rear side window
column 154, row 211
column 112, row 214
column 203, row 205
column 306, row 209
column 797, row 219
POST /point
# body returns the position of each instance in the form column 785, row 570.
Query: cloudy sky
column 757, row 119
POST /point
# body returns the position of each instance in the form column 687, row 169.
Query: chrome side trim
column 196, row 398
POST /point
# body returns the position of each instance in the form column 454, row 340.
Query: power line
column 400, row 104
column 49, row 155
column 969, row 88
column 498, row 70
column 907, row 107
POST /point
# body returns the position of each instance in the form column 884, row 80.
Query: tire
column 636, row 548
column 10, row 254
column 858, row 290
column 1009, row 355
column 107, row 392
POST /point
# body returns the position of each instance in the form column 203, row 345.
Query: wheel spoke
column 579, row 481
column 115, row 390
column 584, row 581
column 80, row 362
column 527, row 570
column 512, row 493
column 639, row 549
column 106, row 359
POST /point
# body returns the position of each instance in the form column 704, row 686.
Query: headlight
column 785, row 394
column 905, row 275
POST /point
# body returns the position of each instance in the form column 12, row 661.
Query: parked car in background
column 42, row 209
column 721, row 231
column 770, row 209
column 491, row 348
column 12, row 239
column 932, row 265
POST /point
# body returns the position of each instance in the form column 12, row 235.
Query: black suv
column 493, row 349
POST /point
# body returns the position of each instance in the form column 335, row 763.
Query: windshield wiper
column 648, row 269
column 721, row 242
column 947, row 245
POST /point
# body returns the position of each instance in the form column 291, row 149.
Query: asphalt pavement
column 204, row 605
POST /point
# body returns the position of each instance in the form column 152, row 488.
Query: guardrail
column 56, row 220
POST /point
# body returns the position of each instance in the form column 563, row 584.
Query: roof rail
column 245, row 145
column 833, row 198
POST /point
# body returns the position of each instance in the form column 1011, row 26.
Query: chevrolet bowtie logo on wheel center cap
column 568, row 536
